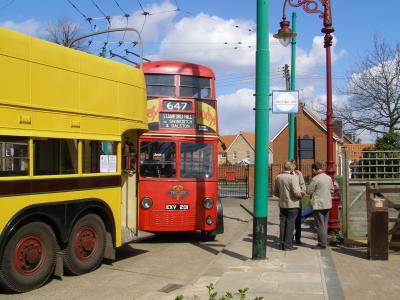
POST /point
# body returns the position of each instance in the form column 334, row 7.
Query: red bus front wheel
column 208, row 235
column 29, row 258
column 86, row 245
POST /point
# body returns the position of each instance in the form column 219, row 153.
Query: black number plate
column 176, row 206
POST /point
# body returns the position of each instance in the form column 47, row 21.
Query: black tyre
column 86, row 245
column 208, row 235
column 29, row 258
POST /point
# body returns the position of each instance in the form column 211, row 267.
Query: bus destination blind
column 177, row 121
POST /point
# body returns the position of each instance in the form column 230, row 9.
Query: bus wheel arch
column 86, row 246
column 29, row 257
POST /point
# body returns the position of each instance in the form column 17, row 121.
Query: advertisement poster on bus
column 153, row 113
column 206, row 116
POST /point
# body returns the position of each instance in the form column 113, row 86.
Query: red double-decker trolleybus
column 178, row 180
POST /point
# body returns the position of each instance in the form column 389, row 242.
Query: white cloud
column 212, row 40
column 236, row 113
column 154, row 25
column 30, row 27
column 201, row 39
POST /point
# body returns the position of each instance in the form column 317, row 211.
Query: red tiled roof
column 354, row 150
column 250, row 138
column 226, row 140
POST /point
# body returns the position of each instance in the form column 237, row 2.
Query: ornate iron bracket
column 313, row 7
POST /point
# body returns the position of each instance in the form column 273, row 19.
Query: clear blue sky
column 205, row 32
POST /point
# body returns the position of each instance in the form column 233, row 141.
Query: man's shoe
column 298, row 242
column 319, row 246
column 290, row 248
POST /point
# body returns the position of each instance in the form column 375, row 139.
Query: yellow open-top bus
column 69, row 124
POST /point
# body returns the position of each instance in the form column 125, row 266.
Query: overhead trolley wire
column 119, row 6
column 79, row 11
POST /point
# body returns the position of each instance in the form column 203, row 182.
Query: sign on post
column 285, row 102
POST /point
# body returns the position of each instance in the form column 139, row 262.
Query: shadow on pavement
column 126, row 251
column 355, row 252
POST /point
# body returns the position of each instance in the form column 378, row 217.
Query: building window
column 223, row 154
column 55, row 156
column 306, row 147
column 234, row 156
column 14, row 158
column 247, row 154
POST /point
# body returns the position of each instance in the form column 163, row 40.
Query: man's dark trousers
column 297, row 226
column 287, row 218
column 321, row 217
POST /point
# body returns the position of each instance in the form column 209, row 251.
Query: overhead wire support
column 137, row 55
column 112, row 54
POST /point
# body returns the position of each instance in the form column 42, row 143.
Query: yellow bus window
column 99, row 156
column 14, row 158
column 55, row 156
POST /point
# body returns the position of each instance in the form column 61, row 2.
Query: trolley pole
column 262, row 132
column 292, row 120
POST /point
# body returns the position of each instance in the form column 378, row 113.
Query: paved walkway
column 302, row 274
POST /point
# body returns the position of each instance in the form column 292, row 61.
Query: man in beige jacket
column 288, row 190
column 302, row 183
column 320, row 189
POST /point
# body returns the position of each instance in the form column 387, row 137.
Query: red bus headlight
column 208, row 203
column 146, row 203
column 209, row 220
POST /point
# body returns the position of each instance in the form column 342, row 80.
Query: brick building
column 310, row 145
column 234, row 149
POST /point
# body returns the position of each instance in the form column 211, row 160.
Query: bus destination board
column 177, row 121
column 177, row 105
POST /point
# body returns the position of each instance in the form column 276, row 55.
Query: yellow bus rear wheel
column 29, row 258
column 86, row 245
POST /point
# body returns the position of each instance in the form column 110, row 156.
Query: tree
column 374, row 91
column 63, row 32
column 389, row 141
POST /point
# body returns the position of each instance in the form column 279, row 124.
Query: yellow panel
column 99, row 126
column 60, row 91
column 98, row 96
column 51, row 54
column 14, row 44
column 55, row 122
column 14, row 118
column 100, row 67
column 15, row 80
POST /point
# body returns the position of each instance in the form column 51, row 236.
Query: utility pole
column 262, row 132
column 292, row 116
column 286, row 76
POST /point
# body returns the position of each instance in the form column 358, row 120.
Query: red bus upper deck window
column 160, row 85
column 195, row 87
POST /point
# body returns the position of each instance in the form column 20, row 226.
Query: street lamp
column 285, row 34
column 312, row 7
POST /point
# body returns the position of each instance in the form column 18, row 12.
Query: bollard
column 378, row 229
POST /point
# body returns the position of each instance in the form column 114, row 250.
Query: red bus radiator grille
column 174, row 219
